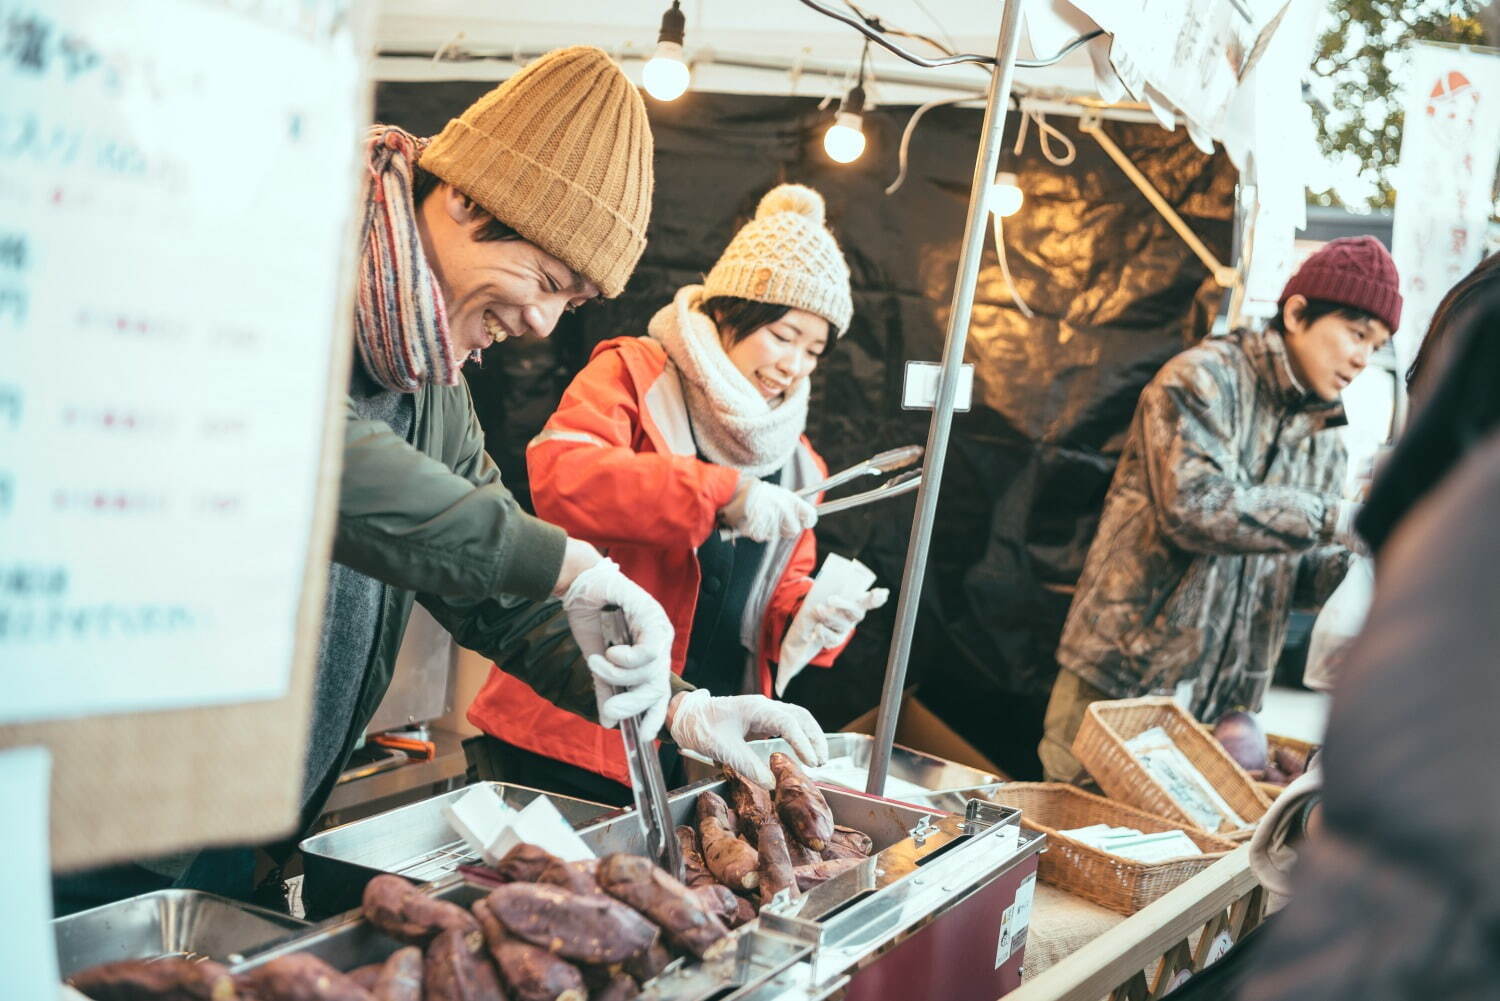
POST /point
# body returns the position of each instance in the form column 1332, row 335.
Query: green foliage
column 1363, row 55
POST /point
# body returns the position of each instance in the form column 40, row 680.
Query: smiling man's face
column 493, row 289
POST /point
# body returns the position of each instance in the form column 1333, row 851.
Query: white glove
column 717, row 728
column 643, row 669
column 765, row 511
column 831, row 623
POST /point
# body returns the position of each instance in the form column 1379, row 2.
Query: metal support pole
column 942, row 413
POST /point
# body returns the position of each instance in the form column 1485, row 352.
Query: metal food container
column 959, row 875
column 948, row 784
column 414, row 841
column 182, row 923
column 756, row 968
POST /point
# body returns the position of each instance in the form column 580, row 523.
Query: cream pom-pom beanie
column 787, row 257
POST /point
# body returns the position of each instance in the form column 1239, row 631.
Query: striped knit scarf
column 399, row 321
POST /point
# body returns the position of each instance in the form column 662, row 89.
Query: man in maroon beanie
column 1225, row 509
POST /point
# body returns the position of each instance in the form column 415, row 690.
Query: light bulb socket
column 673, row 24
column 849, row 120
column 854, row 101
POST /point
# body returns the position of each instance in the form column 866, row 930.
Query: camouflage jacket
column 1219, row 519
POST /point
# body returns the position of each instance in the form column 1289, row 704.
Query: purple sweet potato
column 620, row 987
column 775, row 862
column 750, row 804
column 732, row 861
column 528, row 971
column 580, row 877
column 156, row 980
column 400, row 977
column 524, row 863
column 366, row 975
column 649, row 962
column 1240, row 735
column 400, row 910
column 695, row 870
column 300, row 976
column 459, row 969
column 657, row 894
column 800, row 805
column 584, row 927
column 722, row 902
column 809, row 876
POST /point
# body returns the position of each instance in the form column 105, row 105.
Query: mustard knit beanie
column 561, row 153
column 786, row 256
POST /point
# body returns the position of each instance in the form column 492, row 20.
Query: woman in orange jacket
column 659, row 444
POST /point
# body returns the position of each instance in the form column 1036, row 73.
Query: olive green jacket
column 432, row 520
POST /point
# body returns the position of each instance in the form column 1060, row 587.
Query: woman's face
column 776, row 356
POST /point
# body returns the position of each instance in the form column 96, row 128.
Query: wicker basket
column 1121, row 884
column 1100, row 746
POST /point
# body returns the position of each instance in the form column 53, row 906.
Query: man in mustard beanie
column 532, row 202
column 1226, row 508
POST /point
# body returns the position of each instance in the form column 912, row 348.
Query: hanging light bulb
column 666, row 73
column 845, row 139
column 1006, row 195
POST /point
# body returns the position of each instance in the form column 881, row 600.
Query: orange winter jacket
column 617, row 466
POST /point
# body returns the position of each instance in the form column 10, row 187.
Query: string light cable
column 876, row 31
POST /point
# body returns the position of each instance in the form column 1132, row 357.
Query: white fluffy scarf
column 733, row 424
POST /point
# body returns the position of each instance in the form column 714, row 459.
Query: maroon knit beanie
column 1351, row 271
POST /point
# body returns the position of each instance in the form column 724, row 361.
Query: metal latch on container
column 923, row 830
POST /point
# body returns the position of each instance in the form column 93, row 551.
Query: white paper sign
column 176, row 180
column 28, row 951
column 1449, row 145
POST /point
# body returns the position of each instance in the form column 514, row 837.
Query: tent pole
column 942, row 413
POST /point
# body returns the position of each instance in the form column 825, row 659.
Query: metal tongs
column 647, row 784
column 875, row 465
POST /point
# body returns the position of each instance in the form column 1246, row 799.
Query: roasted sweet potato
column 300, row 976
column 158, row 980
column 524, row 863
column 800, row 854
column 809, row 876
column 621, row 987
column 400, row 977
column 1242, row 738
column 859, row 841
column 720, row 901
column 732, row 861
column 528, row 971
column 800, row 805
column 366, row 975
column 458, row 968
column 750, row 803
column 401, row 911
column 649, row 962
column 585, row 927
column 695, row 870
column 775, row 865
column 576, row 876
column 658, row 894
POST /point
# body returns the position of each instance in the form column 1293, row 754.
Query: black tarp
column 1115, row 292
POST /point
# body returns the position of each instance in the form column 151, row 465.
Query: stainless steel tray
column 949, row 784
column 186, row 923
column 756, row 969
column 414, row 841
column 925, row 861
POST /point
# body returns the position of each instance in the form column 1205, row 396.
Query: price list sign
column 176, row 184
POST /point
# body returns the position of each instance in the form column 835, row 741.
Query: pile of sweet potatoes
column 757, row 843
column 550, row 931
